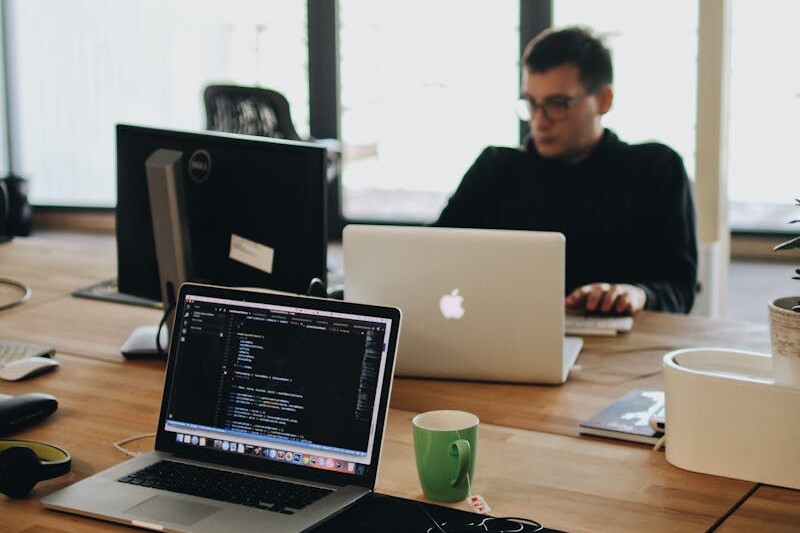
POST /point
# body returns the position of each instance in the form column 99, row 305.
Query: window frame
column 323, row 27
column 325, row 91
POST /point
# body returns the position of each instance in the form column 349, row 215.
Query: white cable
column 118, row 444
column 26, row 293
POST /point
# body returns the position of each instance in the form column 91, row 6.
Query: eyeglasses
column 553, row 108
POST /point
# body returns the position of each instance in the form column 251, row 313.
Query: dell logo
column 200, row 166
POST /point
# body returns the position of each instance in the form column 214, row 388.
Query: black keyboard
column 272, row 495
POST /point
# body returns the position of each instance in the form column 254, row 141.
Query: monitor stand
column 108, row 291
column 141, row 343
column 173, row 253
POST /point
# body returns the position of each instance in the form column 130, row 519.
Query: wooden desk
column 541, row 469
column 567, row 483
column 78, row 326
column 54, row 264
column 780, row 508
column 610, row 367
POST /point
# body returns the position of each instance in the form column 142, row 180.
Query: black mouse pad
column 389, row 514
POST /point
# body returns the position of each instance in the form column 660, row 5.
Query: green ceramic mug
column 445, row 443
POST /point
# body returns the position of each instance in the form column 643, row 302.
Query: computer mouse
column 29, row 366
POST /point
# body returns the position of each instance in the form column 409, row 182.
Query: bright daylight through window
column 654, row 49
column 141, row 62
column 421, row 97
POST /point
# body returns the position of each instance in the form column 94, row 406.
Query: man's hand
column 607, row 298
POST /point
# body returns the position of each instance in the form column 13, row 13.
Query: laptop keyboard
column 596, row 325
column 278, row 496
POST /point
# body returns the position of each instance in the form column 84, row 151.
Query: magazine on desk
column 627, row 418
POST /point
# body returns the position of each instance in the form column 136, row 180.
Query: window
column 764, row 114
column 425, row 86
column 654, row 49
column 79, row 67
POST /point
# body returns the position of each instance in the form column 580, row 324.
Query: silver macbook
column 272, row 417
column 477, row 304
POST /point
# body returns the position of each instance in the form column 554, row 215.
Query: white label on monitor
column 251, row 253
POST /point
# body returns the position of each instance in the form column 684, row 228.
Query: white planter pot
column 784, row 326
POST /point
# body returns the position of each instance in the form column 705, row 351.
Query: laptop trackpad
column 162, row 509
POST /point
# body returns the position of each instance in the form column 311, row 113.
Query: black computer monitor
column 255, row 209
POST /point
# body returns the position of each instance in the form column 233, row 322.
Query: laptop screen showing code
column 281, row 383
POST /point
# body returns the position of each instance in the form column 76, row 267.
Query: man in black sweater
column 626, row 210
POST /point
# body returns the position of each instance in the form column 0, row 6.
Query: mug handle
column 461, row 448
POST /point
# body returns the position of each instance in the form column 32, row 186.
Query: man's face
column 573, row 134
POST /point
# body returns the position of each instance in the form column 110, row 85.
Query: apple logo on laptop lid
column 451, row 305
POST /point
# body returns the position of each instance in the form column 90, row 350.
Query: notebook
column 261, row 390
column 477, row 304
column 628, row 418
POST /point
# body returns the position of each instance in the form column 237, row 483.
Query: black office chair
column 248, row 110
column 265, row 112
column 259, row 111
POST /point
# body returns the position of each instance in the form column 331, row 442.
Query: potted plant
column 784, row 324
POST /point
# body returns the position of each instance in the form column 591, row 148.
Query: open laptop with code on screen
column 272, row 417
column 478, row 304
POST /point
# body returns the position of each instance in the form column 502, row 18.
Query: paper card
column 478, row 504
column 251, row 253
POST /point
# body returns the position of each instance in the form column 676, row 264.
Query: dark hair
column 576, row 45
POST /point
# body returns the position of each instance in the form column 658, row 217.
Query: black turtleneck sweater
column 626, row 211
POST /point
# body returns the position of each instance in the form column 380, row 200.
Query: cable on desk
column 169, row 307
column 615, row 351
column 26, row 293
column 118, row 444
column 480, row 524
column 580, row 372
column 509, row 524
column 506, row 524
column 162, row 353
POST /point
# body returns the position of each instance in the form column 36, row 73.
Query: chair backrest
column 248, row 110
